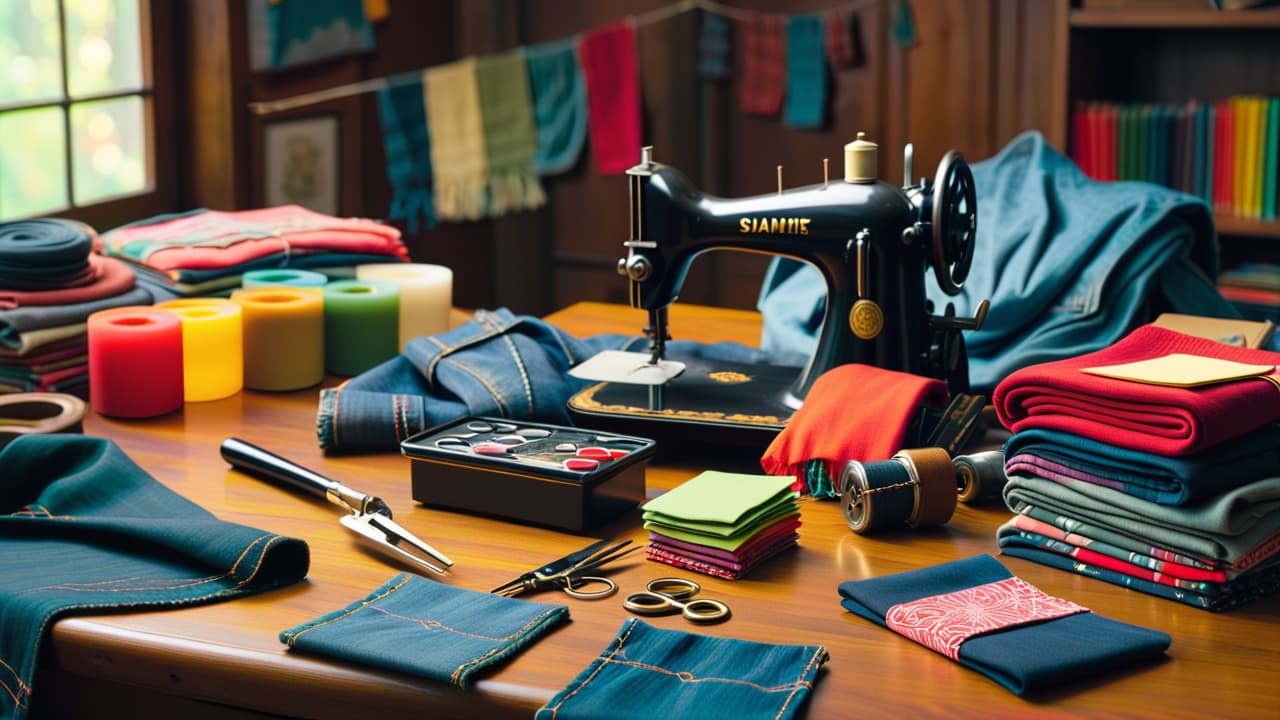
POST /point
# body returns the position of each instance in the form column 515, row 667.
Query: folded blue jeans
column 426, row 628
column 499, row 364
column 647, row 672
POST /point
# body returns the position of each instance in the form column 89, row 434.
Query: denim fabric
column 1070, row 265
column 1025, row 658
column 427, row 628
column 499, row 364
column 647, row 672
column 85, row 530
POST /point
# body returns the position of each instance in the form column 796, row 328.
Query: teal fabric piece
column 426, row 628
column 559, row 91
column 84, row 530
column 43, row 254
column 306, row 31
column 403, row 111
column 806, row 103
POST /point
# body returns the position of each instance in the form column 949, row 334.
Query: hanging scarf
column 559, row 104
column 458, row 160
column 764, row 69
column 403, row 111
column 510, row 136
column 844, row 39
column 806, row 73
column 713, row 46
column 613, row 96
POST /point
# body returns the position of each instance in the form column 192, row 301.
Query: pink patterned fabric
column 944, row 622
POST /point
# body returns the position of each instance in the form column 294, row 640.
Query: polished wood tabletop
column 225, row 659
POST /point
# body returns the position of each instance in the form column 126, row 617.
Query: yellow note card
column 1181, row 370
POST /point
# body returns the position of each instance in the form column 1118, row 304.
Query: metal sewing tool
column 669, row 595
column 568, row 573
column 370, row 517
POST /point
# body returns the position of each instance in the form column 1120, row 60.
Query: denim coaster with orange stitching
column 426, row 628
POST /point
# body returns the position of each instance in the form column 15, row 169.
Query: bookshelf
column 1146, row 54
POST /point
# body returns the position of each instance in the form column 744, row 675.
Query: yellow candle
column 426, row 295
column 283, row 337
column 212, row 347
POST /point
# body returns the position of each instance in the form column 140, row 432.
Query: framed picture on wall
column 301, row 163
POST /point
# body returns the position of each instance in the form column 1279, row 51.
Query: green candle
column 361, row 325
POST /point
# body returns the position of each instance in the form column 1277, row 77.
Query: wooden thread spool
column 934, row 475
column 980, row 476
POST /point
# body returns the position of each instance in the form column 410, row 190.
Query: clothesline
column 662, row 14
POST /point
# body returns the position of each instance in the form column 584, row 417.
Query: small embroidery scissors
column 668, row 595
column 567, row 573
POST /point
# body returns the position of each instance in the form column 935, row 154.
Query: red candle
column 135, row 362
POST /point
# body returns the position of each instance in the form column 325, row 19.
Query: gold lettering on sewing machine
column 774, row 225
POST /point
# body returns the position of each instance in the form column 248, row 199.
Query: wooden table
column 224, row 659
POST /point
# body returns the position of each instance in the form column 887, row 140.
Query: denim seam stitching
column 524, row 372
column 23, row 689
column 820, row 652
column 603, row 662
column 498, row 397
column 349, row 611
column 505, row 645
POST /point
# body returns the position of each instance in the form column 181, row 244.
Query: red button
column 489, row 448
column 615, row 454
column 597, row 453
column 580, row 463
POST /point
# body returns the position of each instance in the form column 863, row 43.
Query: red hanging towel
column 1169, row 421
column 764, row 70
column 853, row 412
column 613, row 96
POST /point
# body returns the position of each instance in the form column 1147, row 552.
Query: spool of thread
column 426, row 295
column 980, row 476
column 212, row 347
column 935, row 478
column 876, row 495
column 39, row 413
column 135, row 362
column 361, row 325
column 283, row 337
column 283, row 278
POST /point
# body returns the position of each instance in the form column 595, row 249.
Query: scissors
column 567, row 573
column 667, row 595
column 369, row 517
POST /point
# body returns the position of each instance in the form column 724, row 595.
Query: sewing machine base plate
column 718, row 407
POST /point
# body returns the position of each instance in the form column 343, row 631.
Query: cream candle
column 426, row 295
column 283, row 337
column 361, row 324
column 286, row 277
column 135, row 362
column 212, row 347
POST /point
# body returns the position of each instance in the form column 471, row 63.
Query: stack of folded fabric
column 50, row 282
column 1173, row 490
column 205, row 252
column 723, row 524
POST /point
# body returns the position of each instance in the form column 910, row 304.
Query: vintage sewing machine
column 871, row 241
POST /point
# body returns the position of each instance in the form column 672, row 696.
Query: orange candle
column 283, row 337
column 212, row 347
column 135, row 362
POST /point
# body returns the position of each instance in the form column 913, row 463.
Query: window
column 77, row 105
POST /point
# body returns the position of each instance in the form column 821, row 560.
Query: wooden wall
column 979, row 72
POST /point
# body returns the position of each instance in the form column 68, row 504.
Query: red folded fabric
column 613, row 96
column 1169, row 421
column 111, row 277
column 853, row 412
column 764, row 69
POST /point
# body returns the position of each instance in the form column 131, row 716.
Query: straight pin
column 779, row 179
column 826, row 172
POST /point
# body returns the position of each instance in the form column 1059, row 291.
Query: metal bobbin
column 876, row 495
column 980, row 476
column 935, row 485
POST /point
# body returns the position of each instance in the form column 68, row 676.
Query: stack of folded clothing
column 723, row 524
column 205, row 252
column 50, row 282
column 1173, row 490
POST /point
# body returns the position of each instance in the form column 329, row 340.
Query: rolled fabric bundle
column 283, row 337
column 212, row 347
column 44, row 254
column 135, row 362
column 283, row 278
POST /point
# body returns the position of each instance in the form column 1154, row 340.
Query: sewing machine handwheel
column 955, row 221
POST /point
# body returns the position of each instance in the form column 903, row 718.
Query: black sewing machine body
column 871, row 241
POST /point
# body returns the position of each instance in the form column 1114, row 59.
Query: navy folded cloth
column 84, row 530
column 1022, row 658
column 648, row 672
column 1160, row 479
column 427, row 628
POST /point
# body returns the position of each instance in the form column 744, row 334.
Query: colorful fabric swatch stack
column 50, row 282
column 723, row 524
column 205, row 252
column 1171, row 489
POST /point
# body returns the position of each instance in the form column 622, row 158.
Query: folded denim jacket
column 499, row 364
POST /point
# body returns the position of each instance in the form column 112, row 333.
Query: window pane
column 30, row 51
column 32, row 172
column 109, row 149
column 103, row 42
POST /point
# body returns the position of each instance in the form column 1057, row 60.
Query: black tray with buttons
column 553, row 475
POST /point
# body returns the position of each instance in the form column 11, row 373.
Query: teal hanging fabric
column 806, row 104
column 84, row 530
column 402, row 108
column 559, row 104
column 289, row 33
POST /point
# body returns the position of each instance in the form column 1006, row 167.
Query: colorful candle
column 212, row 347
column 135, row 362
column 286, row 278
column 426, row 295
column 283, row 337
column 361, row 325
